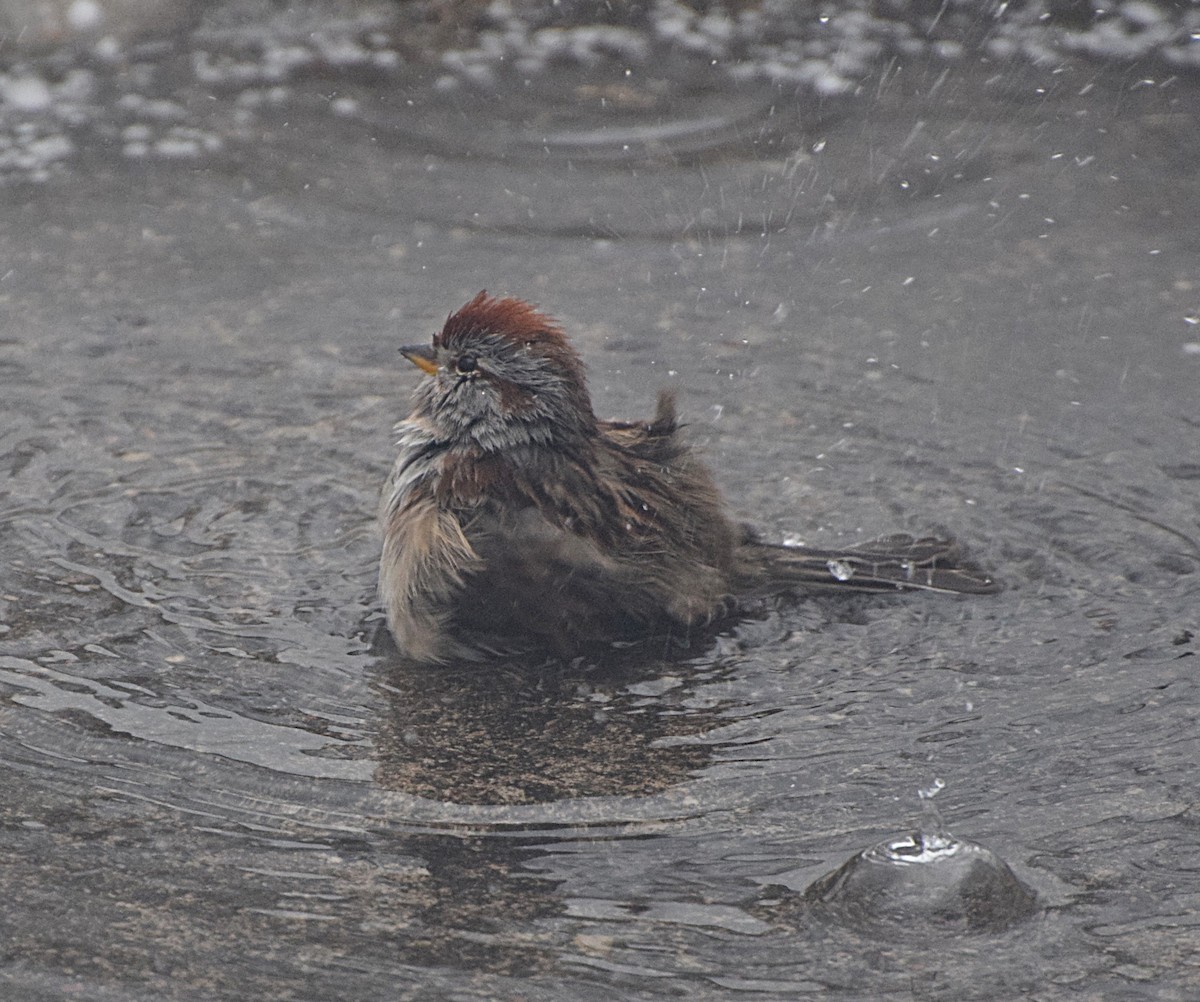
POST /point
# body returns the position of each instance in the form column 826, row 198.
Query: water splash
column 925, row 877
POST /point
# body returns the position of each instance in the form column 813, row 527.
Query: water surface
column 965, row 300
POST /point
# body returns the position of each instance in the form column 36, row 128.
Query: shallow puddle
column 963, row 299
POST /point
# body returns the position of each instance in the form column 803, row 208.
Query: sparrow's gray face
column 502, row 375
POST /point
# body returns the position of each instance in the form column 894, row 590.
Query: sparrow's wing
column 549, row 587
column 656, row 440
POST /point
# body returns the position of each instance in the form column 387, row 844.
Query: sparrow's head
column 503, row 374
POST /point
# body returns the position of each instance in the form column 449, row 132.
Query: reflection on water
column 959, row 300
column 520, row 736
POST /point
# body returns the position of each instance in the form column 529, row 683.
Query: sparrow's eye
column 466, row 363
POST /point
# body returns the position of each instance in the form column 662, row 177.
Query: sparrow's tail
column 893, row 563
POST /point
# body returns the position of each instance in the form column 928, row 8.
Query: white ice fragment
column 184, row 143
column 177, row 149
column 716, row 26
column 107, row 49
column 84, row 15
column 999, row 47
column 280, row 61
column 830, row 84
column 77, row 85
column 48, row 149
column 25, row 93
column 339, row 50
column 1141, row 13
column 163, row 110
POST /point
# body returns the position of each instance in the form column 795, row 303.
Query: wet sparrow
column 515, row 520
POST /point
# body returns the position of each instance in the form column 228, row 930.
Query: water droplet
column 840, row 570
